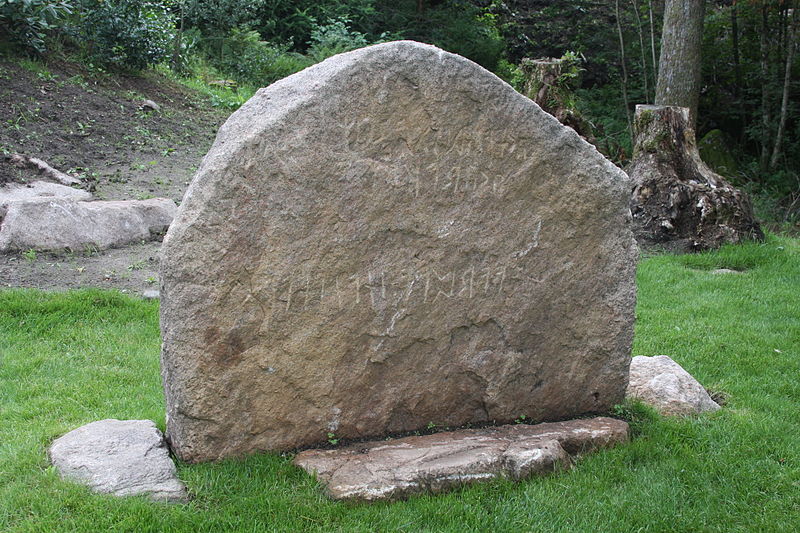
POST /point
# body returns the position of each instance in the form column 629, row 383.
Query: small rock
column 149, row 106
column 151, row 294
column 119, row 457
column 391, row 470
column 663, row 384
column 725, row 271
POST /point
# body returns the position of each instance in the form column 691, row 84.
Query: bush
column 334, row 38
column 243, row 56
column 27, row 22
column 127, row 33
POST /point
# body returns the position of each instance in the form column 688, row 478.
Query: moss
column 643, row 119
column 715, row 153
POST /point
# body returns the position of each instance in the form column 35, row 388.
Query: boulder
column 11, row 192
column 395, row 469
column 121, row 458
column 59, row 224
column 390, row 238
column 38, row 189
column 663, row 384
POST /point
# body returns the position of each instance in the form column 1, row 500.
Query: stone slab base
column 394, row 469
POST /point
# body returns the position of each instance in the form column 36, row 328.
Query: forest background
column 610, row 48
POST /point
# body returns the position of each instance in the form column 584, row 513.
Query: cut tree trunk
column 679, row 72
column 678, row 202
column 546, row 85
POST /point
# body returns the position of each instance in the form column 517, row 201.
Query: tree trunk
column 653, row 39
column 624, row 72
column 787, row 81
column 679, row 69
column 766, row 118
column 546, row 85
column 678, row 203
column 737, row 70
column 640, row 31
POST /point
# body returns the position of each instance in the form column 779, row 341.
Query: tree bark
column 787, row 81
column 624, row 72
column 678, row 203
column 766, row 116
column 679, row 72
column 640, row 31
column 652, row 38
column 737, row 70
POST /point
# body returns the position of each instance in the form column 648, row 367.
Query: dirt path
column 95, row 128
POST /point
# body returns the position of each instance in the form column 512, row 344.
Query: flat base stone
column 394, row 469
column 121, row 458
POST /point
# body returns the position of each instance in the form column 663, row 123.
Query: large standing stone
column 119, row 457
column 391, row 238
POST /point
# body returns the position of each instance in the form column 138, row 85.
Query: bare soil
column 94, row 127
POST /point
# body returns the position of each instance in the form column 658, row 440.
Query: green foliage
column 511, row 74
column 604, row 108
column 199, row 77
column 636, row 414
column 461, row 28
column 458, row 26
column 294, row 21
column 217, row 18
column 27, row 22
column 127, row 33
column 247, row 59
column 334, row 38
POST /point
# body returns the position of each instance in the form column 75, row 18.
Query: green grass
column 199, row 81
column 69, row 359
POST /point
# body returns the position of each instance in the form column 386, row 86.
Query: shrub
column 126, row 33
column 244, row 57
column 27, row 22
column 334, row 38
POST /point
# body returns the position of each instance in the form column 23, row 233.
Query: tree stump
column 551, row 83
column 678, row 202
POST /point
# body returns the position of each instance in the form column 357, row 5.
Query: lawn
column 67, row 359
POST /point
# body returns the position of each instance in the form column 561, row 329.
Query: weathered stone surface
column 151, row 294
column 389, row 470
column 662, row 383
column 390, row 238
column 12, row 192
column 725, row 271
column 58, row 224
column 119, row 457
